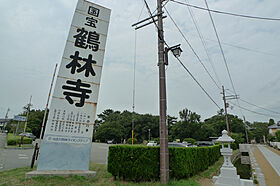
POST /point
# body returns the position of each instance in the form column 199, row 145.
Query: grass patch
column 11, row 136
column 13, row 140
column 102, row 178
column 24, row 145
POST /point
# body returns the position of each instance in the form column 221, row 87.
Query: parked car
column 152, row 143
column 29, row 135
column 188, row 144
column 111, row 142
column 204, row 143
column 176, row 144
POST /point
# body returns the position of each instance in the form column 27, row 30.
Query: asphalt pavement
column 16, row 158
column 99, row 153
column 13, row 158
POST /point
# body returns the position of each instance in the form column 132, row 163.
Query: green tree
column 35, row 119
column 187, row 127
column 110, row 131
column 271, row 122
column 277, row 135
column 238, row 137
column 218, row 122
column 259, row 129
column 142, row 124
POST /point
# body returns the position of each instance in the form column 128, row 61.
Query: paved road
column 16, row 158
column 13, row 158
column 272, row 158
column 271, row 177
column 99, row 153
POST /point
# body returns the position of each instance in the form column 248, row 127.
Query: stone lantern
column 228, row 174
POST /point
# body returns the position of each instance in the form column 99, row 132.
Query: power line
column 257, row 106
column 223, row 54
column 203, row 42
column 147, row 6
column 228, row 13
column 197, row 82
column 220, row 45
column 151, row 15
column 252, row 110
column 192, row 48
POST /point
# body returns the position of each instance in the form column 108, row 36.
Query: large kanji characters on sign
column 68, row 133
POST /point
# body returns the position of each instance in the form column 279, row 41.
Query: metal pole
column 164, row 158
column 246, row 133
column 45, row 113
column 225, row 105
column 149, row 134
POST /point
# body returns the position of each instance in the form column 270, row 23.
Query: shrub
column 134, row 162
column 129, row 141
column 12, row 142
column 140, row 163
column 190, row 140
column 15, row 140
column 277, row 135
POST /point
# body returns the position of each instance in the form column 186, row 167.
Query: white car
column 152, row 143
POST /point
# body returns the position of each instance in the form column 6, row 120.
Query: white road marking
column 23, row 156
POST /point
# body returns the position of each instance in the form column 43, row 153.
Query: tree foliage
column 277, row 135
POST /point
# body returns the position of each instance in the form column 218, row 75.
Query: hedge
column 16, row 141
column 141, row 163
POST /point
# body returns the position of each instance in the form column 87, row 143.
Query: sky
column 33, row 36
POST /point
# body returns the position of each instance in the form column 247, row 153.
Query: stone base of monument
column 62, row 173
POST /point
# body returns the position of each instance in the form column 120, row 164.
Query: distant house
column 273, row 128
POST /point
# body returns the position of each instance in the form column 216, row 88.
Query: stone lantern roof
column 225, row 138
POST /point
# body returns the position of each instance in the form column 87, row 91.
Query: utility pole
column 28, row 109
column 6, row 118
column 225, row 106
column 246, row 133
column 164, row 157
column 162, row 61
column 149, row 134
column 225, row 98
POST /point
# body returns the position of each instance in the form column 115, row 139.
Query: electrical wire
column 192, row 48
column 228, row 13
column 251, row 110
column 151, row 15
column 220, row 45
column 197, row 82
column 252, row 104
column 222, row 52
column 160, row 37
column 202, row 41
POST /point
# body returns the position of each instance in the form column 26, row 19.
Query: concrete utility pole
column 6, row 118
column 246, row 133
column 164, row 157
column 225, row 106
column 28, row 109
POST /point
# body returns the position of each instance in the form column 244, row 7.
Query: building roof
column 275, row 126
